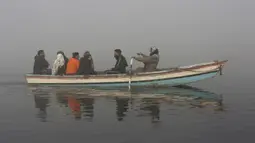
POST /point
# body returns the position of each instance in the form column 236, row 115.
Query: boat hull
column 180, row 76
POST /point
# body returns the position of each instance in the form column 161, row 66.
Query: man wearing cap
column 150, row 62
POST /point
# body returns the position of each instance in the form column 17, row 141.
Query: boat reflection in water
column 142, row 101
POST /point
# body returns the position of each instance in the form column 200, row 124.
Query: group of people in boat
column 85, row 65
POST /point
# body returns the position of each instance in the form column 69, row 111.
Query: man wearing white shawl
column 58, row 63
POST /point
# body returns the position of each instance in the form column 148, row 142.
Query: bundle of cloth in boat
column 150, row 62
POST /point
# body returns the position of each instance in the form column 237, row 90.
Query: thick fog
column 185, row 31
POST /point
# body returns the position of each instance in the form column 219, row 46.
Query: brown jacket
column 150, row 62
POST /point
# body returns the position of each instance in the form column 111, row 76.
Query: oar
column 130, row 74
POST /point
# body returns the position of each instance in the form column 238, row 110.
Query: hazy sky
column 185, row 31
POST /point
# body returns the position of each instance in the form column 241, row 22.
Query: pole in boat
column 130, row 74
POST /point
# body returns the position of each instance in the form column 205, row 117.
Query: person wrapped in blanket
column 150, row 62
column 60, row 64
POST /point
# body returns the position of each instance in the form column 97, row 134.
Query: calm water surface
column 217, row 110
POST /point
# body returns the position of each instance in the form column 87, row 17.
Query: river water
column 216, row 110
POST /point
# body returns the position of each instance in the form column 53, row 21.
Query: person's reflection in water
column 74, row 105
column 41, row 102
column 153, row 106
column 63, row 100
column 122, row 107
column 88, row 108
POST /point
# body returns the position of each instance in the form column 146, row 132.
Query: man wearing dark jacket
column 121, row 63
column 86, row 65
column 40, row 64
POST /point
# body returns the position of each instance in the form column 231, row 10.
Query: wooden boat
column 167, row 77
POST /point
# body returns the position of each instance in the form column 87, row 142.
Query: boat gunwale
column 163, row 72
column 138, row 81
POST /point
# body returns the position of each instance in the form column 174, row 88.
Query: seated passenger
column 73, row 64
column 66, row 60
column 59, row 65
column 150, row 62
column 86, row 65
column 40, row 64
column 121, row 63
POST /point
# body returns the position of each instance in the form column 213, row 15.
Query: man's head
column 76, row 55
column 40, row 53
column 154, row 50
column 87, row 53
column 117, row 53
column 61, row 52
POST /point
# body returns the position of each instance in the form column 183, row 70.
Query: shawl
column 59, row 62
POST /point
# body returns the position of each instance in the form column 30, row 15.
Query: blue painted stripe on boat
column 170, row 81
column 172, row 78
